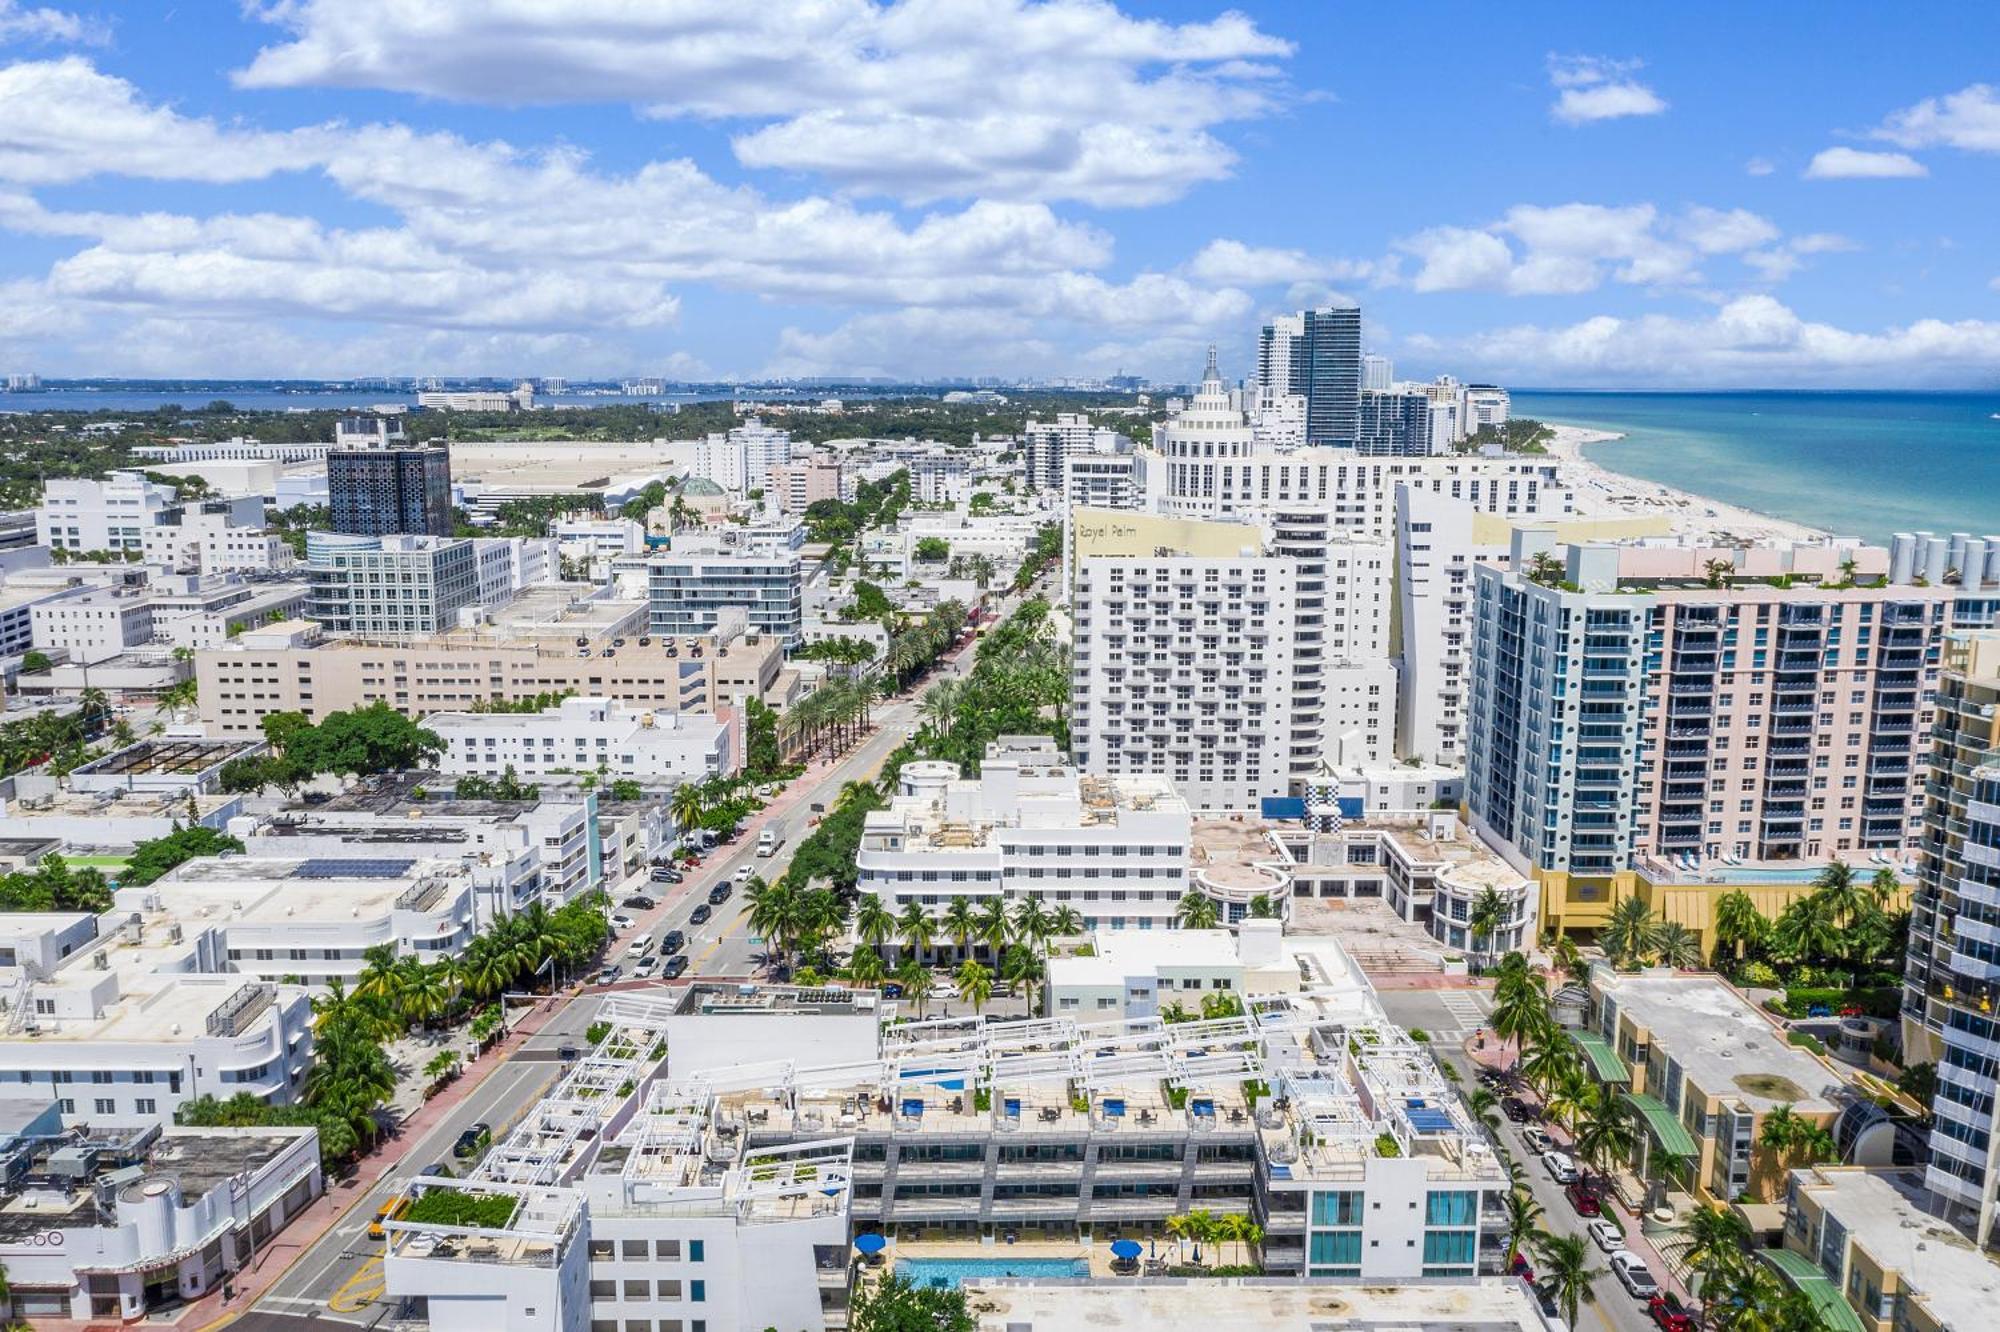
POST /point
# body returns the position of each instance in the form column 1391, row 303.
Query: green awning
column 1833, row 1309
column 1604, row 1061
column 1666, row 1128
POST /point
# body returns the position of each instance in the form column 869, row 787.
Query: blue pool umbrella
column 870, row 1244
column 1125, row 1248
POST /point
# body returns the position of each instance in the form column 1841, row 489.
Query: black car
column 700, row 915
column 473, row 1140
column 676, row 965
column 719, row 894
column 639, row 902
column 566, row 1052
column 1517, row 1110
column 674, row 942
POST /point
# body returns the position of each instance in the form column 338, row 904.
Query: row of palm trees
column 916, row 647
column 1634, row 936
column 1843, row 920
column 1201, row 1226
column 514, row 951
column 832, row 718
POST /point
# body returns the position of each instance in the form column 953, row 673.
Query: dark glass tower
column 390, row 492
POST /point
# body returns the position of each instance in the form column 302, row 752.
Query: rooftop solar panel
column 352, row 869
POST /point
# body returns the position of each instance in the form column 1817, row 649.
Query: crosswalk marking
column 1468, row 1007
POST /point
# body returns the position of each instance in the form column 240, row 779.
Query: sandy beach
column 1601, row 492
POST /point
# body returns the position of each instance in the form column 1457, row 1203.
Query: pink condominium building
column 1699, row 704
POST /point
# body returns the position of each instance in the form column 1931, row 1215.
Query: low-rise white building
column 1141, row 973
column 581, row 735
column 78, row 514
column 1114, row 849
column 216, row 536
column 122, row 1221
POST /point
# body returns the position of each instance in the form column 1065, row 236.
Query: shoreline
column 1602, row 492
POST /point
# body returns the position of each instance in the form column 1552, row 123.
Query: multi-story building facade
column 1107, row 480
column 383, row 587
column 1047, row 447
column 1702, row 1070
column 1360, row 1164
column 293, row 667
column 1377, row 374
column 691, row 586
column 377, row 491
column 584, row 735
column 1030, row 826
column 1281, row 362
column 1486, row 406
column 1949, row 984
column 1239, row 662
column 1333, row 375
column 110, row 514
column 1867, row 1236
column 1396, row 423
column 216, row 536
column 797, row 486
column 741, row 459
column 1680, row 702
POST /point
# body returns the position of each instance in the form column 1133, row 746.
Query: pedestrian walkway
column 1469, row 1008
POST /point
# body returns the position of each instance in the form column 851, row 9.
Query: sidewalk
column 310, row 1226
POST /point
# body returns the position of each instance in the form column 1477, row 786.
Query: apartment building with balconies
column 1702, row 707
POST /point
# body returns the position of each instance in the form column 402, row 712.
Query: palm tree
column 377, row 978
column 1566, row 1267
column 1033, row 925
column 1884, row 887
column 1197, row 911
column 1805, row 931
column 1485, row 1107
column 915, row 978
column 975, row 982
column 940, row 705
column 443, row 1066
column 1631, row 934
column 874, row 923
column 1548, row 1063
column 1738, row 923
column 1570, row 1098
column 917, row 928
column 1547, row 570
column 1719, row 1241
column 775, row 914
column 1489, row 913
column 994, row 929
column 866, row 969
column 1023, row 967
column 1678, row 946
column 961, row 922
column 686, row 806
column 1608, row 1133
column 1522, row 1214
column 1520, row 1003
column 1066, row 923
column 425, row 994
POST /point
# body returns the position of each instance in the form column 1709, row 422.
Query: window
column 697, row 1290
column 1337, row 1209
column 105, row 1105
column 1447, row 1248
column 1456, row 1208
column 635, row 1251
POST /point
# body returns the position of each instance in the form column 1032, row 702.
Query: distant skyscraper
column 1377, row 374
column 1333, row 375
column 1281, row 366
column 390, row 492
column 1396, row 425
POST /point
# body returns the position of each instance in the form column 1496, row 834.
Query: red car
column 1669, row 1313
column 1584, row 1200
column 1518, row 1266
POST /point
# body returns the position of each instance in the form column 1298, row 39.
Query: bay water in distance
column 1865, row 464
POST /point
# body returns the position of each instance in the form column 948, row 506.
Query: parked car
column 1537, row 1139
column 661, row 876
column 1669, row 1314
column 1584, row 1199
column 622, row 922
column 1605, row 1235
column 639, row 902
column 1517, row 1110
column 674, row 942
column 1560, row 1167
column 669, row 874
column 700, row 914
column 565, row 1052
column 719, row 894
column 1545, row 1296
column 609, row 974
column 1521, row 1268
column 1630, row 1269
column 676, row 964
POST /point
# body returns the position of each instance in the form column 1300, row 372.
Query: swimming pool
column 1765, row 875
column 946, row 1273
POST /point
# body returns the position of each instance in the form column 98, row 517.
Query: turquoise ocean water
column 1859, row 463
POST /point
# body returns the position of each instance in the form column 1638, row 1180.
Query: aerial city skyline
column 998, row 666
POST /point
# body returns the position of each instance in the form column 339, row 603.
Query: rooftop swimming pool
column 946, row 1273
column 1803, row 874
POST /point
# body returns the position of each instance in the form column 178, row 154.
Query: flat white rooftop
column 1723, row 1044
column 1493, row 1305
column 1958, row 1284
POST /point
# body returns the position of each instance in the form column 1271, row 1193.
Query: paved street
column 1449, row 1017
column 339, row 1277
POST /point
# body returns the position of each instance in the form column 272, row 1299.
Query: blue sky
column 1686, row 195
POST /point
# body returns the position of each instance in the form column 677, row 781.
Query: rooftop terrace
column 1723, row 1044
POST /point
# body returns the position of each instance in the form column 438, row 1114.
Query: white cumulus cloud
column 19, row 23
column 1862, row 164
column 1591, row 88
column 1968, row 119
column 921, row 100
